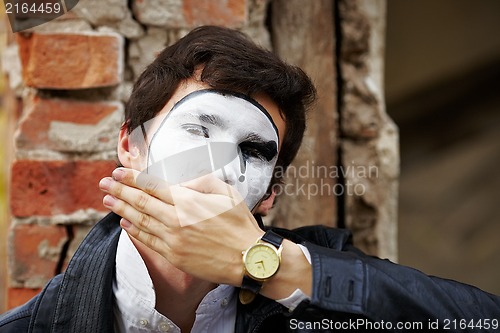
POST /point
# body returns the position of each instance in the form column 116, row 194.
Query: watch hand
column 262, row 263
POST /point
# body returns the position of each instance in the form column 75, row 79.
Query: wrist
column 295, row 273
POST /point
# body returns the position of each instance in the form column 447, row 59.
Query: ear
column 128, row 153
column 265, row 205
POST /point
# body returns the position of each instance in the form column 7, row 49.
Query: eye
column 263, row 150
column 251, row 152
column 196, row 129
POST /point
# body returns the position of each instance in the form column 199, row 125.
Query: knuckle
column 144, row 221
column 151, row 186
column 150, row 241
column 172, row 241
column 134, row 232
column 142, row 201
column 175, row 258
column 177, row 246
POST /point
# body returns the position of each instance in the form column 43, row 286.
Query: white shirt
column 135, row 299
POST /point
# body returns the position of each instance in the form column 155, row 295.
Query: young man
column 207, row 123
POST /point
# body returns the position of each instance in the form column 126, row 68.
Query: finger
column 140, row 220
column 150, row 240
column 211, row 184
column 155, row 186
column 135, row 197
column 139, row 200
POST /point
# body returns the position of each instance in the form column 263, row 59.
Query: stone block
column 69, row 125
column 71, row 61
column 35, row 253
column 102, row 12
column 191, row 13
column 48, row 188
column 144, row 50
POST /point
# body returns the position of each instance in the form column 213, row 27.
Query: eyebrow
column 268, row 149
column 211, row 119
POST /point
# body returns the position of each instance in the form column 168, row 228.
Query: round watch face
column 262, row 261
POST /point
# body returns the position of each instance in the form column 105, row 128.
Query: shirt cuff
column 297, row 296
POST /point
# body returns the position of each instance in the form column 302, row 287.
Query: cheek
column 176, row 157
column 171, row 142
column 258, row 176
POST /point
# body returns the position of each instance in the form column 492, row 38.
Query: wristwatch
column 261, row 261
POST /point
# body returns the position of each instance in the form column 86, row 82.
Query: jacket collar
column 83, row 301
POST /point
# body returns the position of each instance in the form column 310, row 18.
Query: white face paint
column 223, row 133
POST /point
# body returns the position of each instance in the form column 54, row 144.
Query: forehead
column 191, row 85
column 226, row 110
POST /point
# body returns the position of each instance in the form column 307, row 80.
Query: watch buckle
column 246, row 296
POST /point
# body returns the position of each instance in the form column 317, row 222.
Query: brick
column 69, row 125
column 191, row 13
column 71, row 60
column 230, row 13
column 35, row 252
column 19, row 296
column 47, row 188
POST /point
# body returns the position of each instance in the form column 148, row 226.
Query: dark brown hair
column 229, row 61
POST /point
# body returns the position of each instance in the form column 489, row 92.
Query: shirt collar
column 135, row 299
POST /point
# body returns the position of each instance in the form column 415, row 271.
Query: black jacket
column 351, row 291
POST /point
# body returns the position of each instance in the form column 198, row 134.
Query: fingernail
column 125, row 223
column 118, row 174
column 109, row 200
column 105, row 183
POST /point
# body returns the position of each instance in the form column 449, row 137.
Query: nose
column 233, row 173
column 227, row 162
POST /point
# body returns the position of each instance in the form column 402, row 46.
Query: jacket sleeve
column 346, row 281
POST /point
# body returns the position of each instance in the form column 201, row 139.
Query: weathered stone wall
column 70, row 77
column 369, row 138
column 304, row 34
column 347, row 169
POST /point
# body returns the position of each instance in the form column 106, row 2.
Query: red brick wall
column 62, row 149
column 70, row 78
